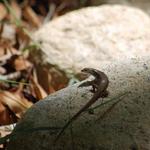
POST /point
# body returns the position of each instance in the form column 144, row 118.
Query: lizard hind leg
column 94, row 88
column 105, row 94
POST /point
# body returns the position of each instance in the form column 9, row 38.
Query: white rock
column 94, row 36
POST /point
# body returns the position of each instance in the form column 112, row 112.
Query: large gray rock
column 92, row 37
column 126, row 126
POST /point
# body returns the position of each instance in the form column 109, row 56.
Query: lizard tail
column 63, row 129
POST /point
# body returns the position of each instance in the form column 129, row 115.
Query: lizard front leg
column 92, row 83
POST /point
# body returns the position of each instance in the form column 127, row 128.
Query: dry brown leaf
column 59, row 79
column 15, row 102
column 31, row 16
column 9, row 32
column 4, row 115
column 3, row 11
column 47, row 80
column 2, row 70
column 21, row 64
column 23, row 37
column 6, row 51
column 20, row 88
column 2, row 51
column 5, row 44
column 38, row 90
column 16, row 8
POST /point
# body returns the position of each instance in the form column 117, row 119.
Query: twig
column 111, row 100
column 110, row 108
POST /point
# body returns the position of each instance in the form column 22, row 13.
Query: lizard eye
column 85, row 70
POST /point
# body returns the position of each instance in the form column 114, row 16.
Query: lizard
column 99, row 88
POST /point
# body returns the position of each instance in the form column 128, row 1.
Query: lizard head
column 89, row 70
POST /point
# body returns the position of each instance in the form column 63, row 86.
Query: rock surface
column 142, row 4
column 93, row 36
column 126, row 126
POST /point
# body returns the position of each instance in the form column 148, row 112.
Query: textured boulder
column 125, row 124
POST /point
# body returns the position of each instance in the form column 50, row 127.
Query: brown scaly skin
column 99, row 84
